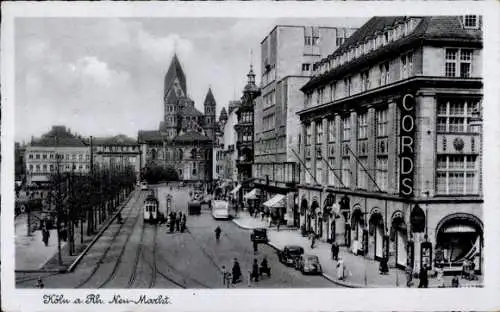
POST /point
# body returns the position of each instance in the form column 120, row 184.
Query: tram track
column 113, row 239
column 155, row 265
column 122, row 251
column 133, row 275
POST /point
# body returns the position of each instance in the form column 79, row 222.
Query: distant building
column 117, row 153
column 391, row 142
column 288, row 58
column 219, row 146
column 229, row 153
column 186, row 136
column 56, row 151
column 245, row 135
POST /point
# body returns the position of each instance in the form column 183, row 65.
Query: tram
column 151, row 208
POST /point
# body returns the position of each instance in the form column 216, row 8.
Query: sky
column 104, row 76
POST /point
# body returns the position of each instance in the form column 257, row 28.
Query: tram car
column 151, row 208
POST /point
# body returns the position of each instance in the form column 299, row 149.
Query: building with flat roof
column 391, row 142
column 288, row 58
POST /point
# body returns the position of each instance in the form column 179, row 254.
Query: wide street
column 139, row 255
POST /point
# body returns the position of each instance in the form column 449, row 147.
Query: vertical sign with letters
column 407, row 146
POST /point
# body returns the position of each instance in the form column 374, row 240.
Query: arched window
column 194, row 152
column 179, row 154
column 153, row 154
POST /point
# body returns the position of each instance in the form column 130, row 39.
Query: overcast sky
column 104, row 76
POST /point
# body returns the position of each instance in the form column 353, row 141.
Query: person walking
column 313, row 240
column 335, row 251
column 423, row 276
column 236, row 271
column 217, row 233
column 255, row 271
column 255, row 247
column 409, row 275
column 340, row 268
column 455, row 282
column 45, row 236
column 439, row 277
column 178, row 222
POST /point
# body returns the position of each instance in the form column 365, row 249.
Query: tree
column 155, row 174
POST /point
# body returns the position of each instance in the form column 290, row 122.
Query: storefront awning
column 276, row 201
column 460, row 229
column 251, row 195
column 236, row 189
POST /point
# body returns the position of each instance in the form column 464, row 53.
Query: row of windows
column 45, row 156
column 455, row 174
column 268, row 122
column 308, row 40
column 245, row 135
column 381, row 120
column 53, row 168
column 246, row 117
column 269, row 99
column 117, row 148
column 372, row 43
column 455, row 115
column 269, row 146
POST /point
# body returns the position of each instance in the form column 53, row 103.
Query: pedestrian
column 255, row 247
column 383, row 266
column 423, row 276
column 45, row 236
column 313, row 240
column 178, row 222
column 236, row 271
column 335, row 252
column 249, row 278
column 439, row 277
column 224, row 275
column 39, row 283
column 278, row 224
column 255, row 270
column 455, row 282
column 340, row 268
column 262, row 215
column 409, row 275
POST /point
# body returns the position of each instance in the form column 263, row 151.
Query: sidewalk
column 362, row 272
column 33, row 255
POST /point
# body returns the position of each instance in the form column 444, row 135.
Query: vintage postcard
column 240, row 156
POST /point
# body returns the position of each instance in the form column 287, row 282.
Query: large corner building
column 391, row 142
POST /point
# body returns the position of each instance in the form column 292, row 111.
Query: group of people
column 177, row 221
column 235, row 276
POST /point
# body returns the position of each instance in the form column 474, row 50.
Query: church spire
column 174, row 73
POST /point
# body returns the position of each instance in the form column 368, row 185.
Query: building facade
column 219, row 147
column 288, row 58
column 56, row 151
column 116, row 152
column 229, row 153
column 186, row 136
column 391, row 142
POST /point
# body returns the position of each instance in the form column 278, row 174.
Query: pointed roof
column 251, row 86
column 175, row 71
column 209, row 99
column 223, row 114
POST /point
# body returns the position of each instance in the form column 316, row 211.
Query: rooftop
column 115, row 140
column 61, row 137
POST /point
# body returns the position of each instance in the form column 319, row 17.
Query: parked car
column 289, row 254
column 308, row 264
column 144, row 186
column 182, row 184
column 259, row 235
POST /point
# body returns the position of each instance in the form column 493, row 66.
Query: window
column 362, row 174
column 339, row 41
column 471, row 21
column 308, row 40
column 319, row 132
column 37, row 156
column 458, row 63
column 382, row 122
column 44, row 156
column 331, row 130
column 307, row 173
column 51, row 167
column 30, row 156
column 31, row 167
column 457, row 175
column 365, row 80
column 331, row 172
column 315, row 40
column 384, row 74
column 347, row 83
column 404, row 73
column 319, row 171
column 363, row 126
column 454, row 115
column 308, row 134
column 346, row 127
column 381, row 172
column 346, row 171
column 306, row 66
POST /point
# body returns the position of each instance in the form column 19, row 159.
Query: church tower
column 209, row 110
column 174, row 91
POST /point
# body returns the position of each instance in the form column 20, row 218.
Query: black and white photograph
column 247, row 154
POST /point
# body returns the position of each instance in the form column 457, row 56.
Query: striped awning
column 462, row 228
column 276, row 201
column 236, row 189
column 251, row 195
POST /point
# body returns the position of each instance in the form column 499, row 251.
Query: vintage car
column 259, row 235
column 144, row 186
column 308, row 264
column 289, row 254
